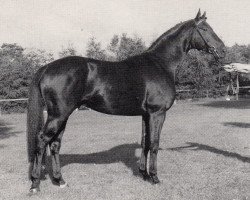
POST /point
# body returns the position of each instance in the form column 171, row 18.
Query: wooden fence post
column 237, row 86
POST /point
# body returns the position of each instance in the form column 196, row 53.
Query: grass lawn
column 205, row 154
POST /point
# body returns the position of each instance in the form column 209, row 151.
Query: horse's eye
column 204, row 29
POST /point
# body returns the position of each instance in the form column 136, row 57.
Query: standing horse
column 142, row 85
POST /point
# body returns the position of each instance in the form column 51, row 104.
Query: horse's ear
column 198, row 15
column 204, row 15
column 199, row 19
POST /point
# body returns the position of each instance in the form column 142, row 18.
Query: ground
column 205, row 154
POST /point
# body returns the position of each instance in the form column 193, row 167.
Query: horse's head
column 204, row 38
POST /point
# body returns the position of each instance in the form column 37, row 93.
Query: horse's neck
column 172, row 47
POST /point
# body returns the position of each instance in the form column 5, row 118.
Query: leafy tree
column 94, row 50
column 238, row 53
column 113, row 48
column 11, row 77
column 69, row 51
column 124, row 46
column 37, row 58
column 17, row 69
column 199, row 73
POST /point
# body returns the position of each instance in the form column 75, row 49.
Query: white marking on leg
column 64, row 185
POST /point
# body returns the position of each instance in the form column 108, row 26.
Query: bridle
column 211, row 48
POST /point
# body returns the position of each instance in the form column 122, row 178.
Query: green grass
column 205, row 154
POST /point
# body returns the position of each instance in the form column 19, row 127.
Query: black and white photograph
column 124, row 99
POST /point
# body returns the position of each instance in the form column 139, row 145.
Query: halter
column 211, row 49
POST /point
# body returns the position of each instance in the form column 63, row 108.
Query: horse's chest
column 160, row 94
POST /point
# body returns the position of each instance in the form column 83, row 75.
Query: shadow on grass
column 2, row 146
column 6, row 130
column 241, row 104
column 123, row 153
column 237, row 124
column 199, row 147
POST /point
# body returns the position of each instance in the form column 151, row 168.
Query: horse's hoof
column 64, row 185
column 154, row 179
column 34, row 190
column 144, row 174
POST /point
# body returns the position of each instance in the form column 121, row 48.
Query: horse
column 142, row 85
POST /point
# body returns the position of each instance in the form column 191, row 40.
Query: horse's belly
column 115, row 105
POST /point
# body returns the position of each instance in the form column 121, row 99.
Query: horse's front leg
column 156, row 121
column 145, row 142
column 55, row 146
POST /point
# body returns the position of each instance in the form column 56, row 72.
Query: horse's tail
column 35, row 118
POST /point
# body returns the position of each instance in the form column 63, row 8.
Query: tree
column 38, row 58
column 17, row 68
column 94, row 50
column 200, row 73
column 69, row 51
column 113, row 48
column 124, row 46
column 238, row 53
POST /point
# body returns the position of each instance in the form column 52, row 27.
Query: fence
column 10, row 100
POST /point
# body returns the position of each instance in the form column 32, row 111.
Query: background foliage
column 198, row 73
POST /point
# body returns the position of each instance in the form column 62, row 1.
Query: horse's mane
column 169, row 33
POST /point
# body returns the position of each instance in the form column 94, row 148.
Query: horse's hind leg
column 55, row 146
column 52, row 127
column 145, row 142
column 44, row 171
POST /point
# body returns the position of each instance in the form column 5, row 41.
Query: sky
column 53, row 24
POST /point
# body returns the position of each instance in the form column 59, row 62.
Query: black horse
column 141, row 85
